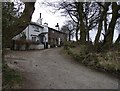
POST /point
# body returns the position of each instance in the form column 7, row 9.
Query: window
column 33, row 35
column 36, row 30
column 33, row 38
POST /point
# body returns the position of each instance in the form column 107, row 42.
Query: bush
column 25, row 42
column 69, row 44
column 110, row 61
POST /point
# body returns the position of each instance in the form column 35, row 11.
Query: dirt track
column 49, row 69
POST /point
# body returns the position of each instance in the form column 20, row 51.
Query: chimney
column 40, row 15
column 39, row 21
column 57, row 26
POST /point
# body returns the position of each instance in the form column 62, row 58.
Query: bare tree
column 92, row 15
column 80, row 13
column 69, row 28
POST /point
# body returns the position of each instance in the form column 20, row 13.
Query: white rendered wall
column 46, row 35
column 30, row 31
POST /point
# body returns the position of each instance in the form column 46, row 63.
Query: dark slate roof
column 56, row 30
column 33, row 23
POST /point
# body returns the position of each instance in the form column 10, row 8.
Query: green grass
column 11, row 78
column 109, row 61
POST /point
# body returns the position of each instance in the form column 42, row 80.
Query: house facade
column 39, row 36
column 56, row 38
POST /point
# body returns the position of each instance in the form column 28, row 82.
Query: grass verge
column 107, row 61
column 11, row 78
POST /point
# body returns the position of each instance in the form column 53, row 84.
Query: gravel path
column 49, row 69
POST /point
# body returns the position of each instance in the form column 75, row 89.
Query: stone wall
column 56, row 38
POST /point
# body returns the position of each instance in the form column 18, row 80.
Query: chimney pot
column 40, row 15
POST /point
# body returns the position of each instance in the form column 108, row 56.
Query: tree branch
column 99, row 3
column 71, row 16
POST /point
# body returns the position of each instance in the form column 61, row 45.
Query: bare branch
column 99, row 3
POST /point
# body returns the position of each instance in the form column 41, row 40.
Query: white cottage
column 34, row 30
column 36, row 33
column 40, row 34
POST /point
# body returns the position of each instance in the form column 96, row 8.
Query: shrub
column 25, row 42
column 69, row 44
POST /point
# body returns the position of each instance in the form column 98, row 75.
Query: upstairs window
column 36, row 30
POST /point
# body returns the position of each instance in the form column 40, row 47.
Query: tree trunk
column 108, row 40
column 105, row 23
column 20, row 24
column 118, row 40
column 76, row 34
column 69, row 36
column 82, row 25
column 100, row 22
column 99, row 31
column 106, row 7
column 88, row 36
